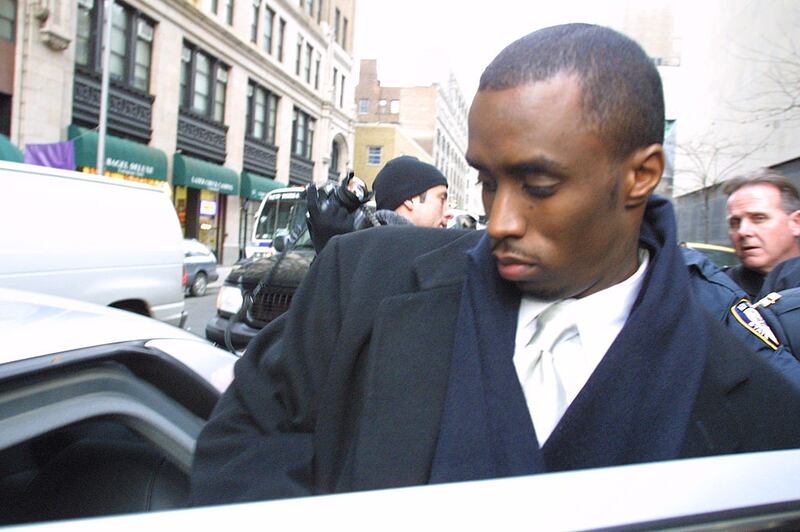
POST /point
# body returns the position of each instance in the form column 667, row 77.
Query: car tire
column 199, row 285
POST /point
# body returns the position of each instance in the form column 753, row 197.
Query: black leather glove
column 327, row 217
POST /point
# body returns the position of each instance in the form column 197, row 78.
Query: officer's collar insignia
column 769, row 299
column 751, row 319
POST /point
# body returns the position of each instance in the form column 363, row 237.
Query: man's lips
column 514, row 268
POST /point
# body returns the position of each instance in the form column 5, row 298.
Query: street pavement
column 202, row 309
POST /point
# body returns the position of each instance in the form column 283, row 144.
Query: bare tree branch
column 709, row 162
column 779, row 95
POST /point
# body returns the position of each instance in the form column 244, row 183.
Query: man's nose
column 746, row 228
column 504, row 217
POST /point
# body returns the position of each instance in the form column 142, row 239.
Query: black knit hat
column 403, row 178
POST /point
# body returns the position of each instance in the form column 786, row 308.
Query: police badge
column 746, row 314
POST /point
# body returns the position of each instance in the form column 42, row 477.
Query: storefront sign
column 130, row 168
column 210, row 184
column 208, row 208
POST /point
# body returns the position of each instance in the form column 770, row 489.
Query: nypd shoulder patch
column 753, row 321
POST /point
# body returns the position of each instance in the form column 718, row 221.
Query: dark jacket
column 346, row 391
column 783, row 315
column 783, row 276
column 749, row 280
column 783, row 311
column 717, row 292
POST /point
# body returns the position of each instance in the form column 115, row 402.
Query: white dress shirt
column 598, row 319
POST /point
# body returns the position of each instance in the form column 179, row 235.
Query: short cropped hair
column 623, row 100
column 790, row 198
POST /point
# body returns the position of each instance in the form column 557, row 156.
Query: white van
column 278, row 210
column 97, row 239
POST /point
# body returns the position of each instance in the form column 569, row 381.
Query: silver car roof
column 33, row 325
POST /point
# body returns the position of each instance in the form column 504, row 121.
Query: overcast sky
column 416, row 42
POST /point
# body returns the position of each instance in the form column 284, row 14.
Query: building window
column 394, row 106
column 131, row 43
column 204, row 82
column 281, row 32
column 341, row 92
column 302, row 134
column 272, row 116
column 310, row 7
column 269, row 17
column 254, row 21
column 336, row 23
column 8, row 17
column 229, row 12
column 299, row 58
column 83, row 37
column 319, row 11
column 261, row 113
column 220, row 84
column 335, row 84
column 142, row 56
column 316, row 74
column 309, row 54
column 344, row 32
column 374, row 154
column 363, row 106
column 119, row 42
column 210, row 6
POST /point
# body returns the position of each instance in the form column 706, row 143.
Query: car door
column 97, row 431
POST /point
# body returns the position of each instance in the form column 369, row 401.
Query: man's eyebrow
column 536, row 165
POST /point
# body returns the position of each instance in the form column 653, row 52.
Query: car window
column 91, row 441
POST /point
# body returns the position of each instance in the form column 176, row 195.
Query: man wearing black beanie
column 413, row 189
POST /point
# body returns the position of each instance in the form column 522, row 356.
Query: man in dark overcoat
column 564, row 336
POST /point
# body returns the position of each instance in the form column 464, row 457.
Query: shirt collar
column 599, row 317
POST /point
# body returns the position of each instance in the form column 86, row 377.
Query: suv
column 279, row 276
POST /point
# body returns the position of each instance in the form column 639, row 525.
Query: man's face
column 433, row 210
column 762, row 234
column 553, row 196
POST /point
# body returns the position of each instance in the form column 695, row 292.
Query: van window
column 277, row 216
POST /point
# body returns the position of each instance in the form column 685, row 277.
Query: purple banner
column 54, row 155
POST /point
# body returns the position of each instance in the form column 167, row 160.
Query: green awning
column 9, row 152
column 190, row 172
column 255, row 186
column 122, row 156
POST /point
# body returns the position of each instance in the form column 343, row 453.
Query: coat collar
column 445, row 266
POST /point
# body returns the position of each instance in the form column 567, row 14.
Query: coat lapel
column 407, row 371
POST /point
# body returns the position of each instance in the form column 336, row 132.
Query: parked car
column 757, row 491
column 722, row 256
column 278, row 275
column 93, row 238
column 99, row 408
column 201, row 266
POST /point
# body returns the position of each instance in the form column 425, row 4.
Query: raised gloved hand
column 327, row 217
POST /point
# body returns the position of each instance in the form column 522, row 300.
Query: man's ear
column 409, row 204
column 794, row 223
column 644, row 168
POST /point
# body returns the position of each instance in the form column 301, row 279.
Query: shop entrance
column 202, row 216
